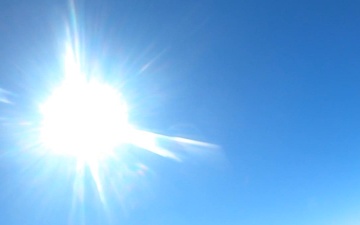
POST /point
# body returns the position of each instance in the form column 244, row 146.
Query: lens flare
column 86, row 119
column 83, row 117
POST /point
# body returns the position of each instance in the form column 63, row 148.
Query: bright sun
column 83, row 117
column 86, row 119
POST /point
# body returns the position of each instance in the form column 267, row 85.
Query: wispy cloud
column 4, row 96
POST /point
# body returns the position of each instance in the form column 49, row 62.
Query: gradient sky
column 274, row 83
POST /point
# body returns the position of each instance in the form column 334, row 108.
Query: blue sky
column 274, row 83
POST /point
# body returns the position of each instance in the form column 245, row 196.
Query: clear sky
column 274, row 83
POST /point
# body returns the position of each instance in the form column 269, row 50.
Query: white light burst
column 83, row 117
column 86, row 119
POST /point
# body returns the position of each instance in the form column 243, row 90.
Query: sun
column 83, row 117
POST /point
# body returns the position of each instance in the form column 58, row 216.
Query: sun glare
column 86, row 119
column 83, row 117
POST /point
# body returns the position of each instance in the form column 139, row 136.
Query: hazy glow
column 87, row 119
column 83, row 117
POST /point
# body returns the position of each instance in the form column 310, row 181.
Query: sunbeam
column 83, row 117
column 84, row 120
